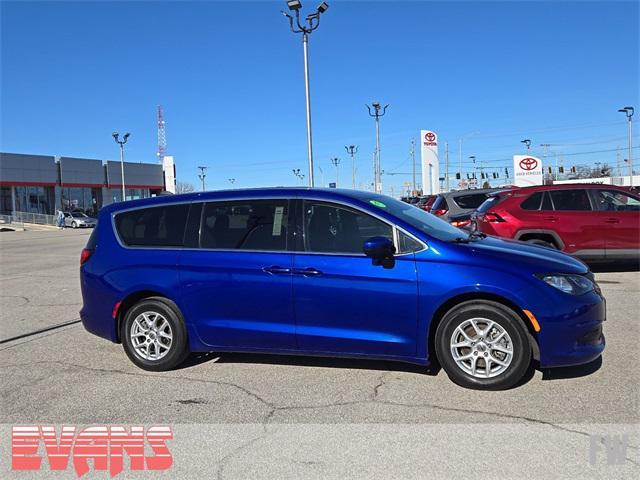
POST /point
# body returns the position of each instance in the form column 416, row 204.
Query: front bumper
column 575, row 336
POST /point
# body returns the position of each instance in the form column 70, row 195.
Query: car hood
column 515, row 253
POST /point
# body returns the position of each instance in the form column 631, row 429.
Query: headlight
column 572, row 284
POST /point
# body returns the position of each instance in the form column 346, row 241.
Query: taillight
column 440, row 211
column 85, row 255
column 461, row 223
column 493, row 217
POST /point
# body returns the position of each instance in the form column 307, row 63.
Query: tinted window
column 407, row 244
column 470, row 201
column 330, row 228
column 546, row 202
column 533, row 202
column 570, row 199
column 157, row 226
column 616, row 201
column 245, row 225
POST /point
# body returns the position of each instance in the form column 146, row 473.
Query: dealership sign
column 527, row 170
column 430, row 163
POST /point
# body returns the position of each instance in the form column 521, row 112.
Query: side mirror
column 380, row 250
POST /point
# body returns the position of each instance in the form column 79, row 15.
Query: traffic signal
column 561, row 169
column 506, row 172
column 573, row 169
column 458, row 176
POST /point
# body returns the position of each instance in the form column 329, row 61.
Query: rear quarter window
column 161, row 226
column 470, row 201
column 533, row 202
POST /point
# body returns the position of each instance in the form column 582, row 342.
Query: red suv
column 586, row 220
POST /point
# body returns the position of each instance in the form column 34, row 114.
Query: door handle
column 307, row 272
column 612, row 220
column 276, row 270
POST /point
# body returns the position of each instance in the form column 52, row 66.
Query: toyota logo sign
column 528, row 164
column 430, row 137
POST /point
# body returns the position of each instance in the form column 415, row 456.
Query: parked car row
column 589, row 221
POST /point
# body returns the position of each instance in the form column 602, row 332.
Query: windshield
column 419, row 219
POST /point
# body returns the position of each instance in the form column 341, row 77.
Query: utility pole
column 446, row 166
column 527, row 142
column 544, row 155
column 413, row 161
column 313, row 21
column 352, row 150
column 125, row 137
column 377, row 174
column 628, row 111
column 321, row 176
column 202, row 175
column 336, row 162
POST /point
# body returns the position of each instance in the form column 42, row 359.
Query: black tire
column 542, row 243
column 509, row 321
column 179, row 346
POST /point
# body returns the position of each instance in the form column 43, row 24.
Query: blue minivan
column 332, row 273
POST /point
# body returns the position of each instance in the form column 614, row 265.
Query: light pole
column 475, row 172
column 232, row 181
column 125, row 137
column 377, row 173
column 468, row 135
column 336, row 162
column 202, row 175
column 628, row 111
column 352, row 150
column 313, row 21
column 527, row 142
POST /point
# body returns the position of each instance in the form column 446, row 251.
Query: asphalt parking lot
column 259, row 416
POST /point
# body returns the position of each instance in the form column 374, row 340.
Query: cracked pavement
column 260, row 416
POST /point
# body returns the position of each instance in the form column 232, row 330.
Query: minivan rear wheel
column 483, row 345
column 154, row 336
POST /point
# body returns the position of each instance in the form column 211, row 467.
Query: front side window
column 616, row 201
column 245, row 225
column 575, row 200
column 332, row 229
column 161, row 226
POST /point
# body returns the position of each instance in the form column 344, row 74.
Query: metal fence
column 28, row 217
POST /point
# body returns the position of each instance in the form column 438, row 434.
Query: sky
column 229, row 76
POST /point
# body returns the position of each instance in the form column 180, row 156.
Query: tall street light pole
column 125, row 137
column 352, row 150
column 336, row 162
column 377, row 174
column 312, row 22
column 202, row 175
column 628, row 111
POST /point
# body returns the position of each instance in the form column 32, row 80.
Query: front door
column 619, row 214
column 235, row 274
column 343, row 303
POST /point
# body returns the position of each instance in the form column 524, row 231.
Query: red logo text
column 105, row 446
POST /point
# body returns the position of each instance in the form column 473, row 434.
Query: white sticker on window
column 277, row 222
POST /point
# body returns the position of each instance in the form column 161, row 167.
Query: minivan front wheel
column 153, row 335
column 483, row 345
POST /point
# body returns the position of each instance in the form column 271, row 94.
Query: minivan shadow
column 307, row 361
column 577, row 371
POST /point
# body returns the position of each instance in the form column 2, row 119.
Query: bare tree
column 184, row 187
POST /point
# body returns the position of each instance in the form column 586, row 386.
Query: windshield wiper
column 472, row 236
column 476, row 235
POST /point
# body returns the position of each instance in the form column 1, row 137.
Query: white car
column 78, row 220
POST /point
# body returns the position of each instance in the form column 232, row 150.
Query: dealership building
column 44, row 184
